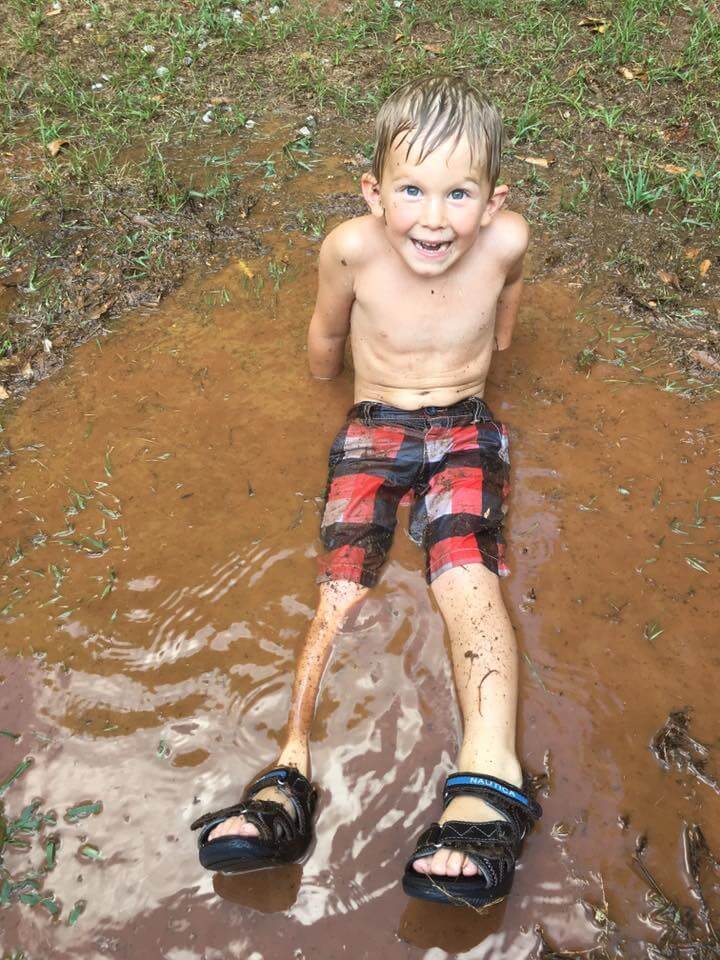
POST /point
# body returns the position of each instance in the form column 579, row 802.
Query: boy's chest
column 420, row 311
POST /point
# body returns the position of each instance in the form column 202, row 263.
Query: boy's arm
column 509, row 300
column 330, row 323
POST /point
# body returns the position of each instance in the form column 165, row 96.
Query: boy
column 426, row 285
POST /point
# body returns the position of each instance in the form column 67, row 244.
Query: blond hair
column 431, row 110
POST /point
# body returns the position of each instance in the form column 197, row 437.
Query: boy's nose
column 433, row 213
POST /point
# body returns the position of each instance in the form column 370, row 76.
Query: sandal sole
column 453, row 893
column 218, row 856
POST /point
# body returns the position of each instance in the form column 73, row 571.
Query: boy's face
column 434, row 210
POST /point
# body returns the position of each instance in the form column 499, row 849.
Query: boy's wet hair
column 431, row 110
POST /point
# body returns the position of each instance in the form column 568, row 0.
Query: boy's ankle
column 504, row 766
column 293, row 755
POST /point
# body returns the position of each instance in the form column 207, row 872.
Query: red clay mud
column 162, row 499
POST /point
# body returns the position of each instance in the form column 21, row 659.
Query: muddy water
column 161, row 503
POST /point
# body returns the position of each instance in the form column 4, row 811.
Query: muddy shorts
column 451, row 461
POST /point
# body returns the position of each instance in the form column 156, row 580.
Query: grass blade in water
column 19, row 771
column 76, row 912
column 82, row 810
column 90, row 852
column 51, row 853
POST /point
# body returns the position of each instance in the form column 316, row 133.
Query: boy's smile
column 433, row 210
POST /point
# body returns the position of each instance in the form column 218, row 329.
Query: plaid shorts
column 451, row 461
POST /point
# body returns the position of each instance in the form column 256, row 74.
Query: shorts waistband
column 471, row 409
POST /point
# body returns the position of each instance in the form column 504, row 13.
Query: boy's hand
column 330, row 323
column 517, row 236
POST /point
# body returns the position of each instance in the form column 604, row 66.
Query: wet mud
column 161, row 508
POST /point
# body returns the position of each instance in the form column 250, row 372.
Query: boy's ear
column 371, row 191
column 497, row 199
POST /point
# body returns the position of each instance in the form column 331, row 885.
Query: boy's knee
column 338, row 598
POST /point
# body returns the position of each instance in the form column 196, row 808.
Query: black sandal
column 493, row 847
column 282, row 838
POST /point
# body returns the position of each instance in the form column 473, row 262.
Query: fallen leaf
column 540, row 161
column 677, row 134
column 244, row 268
column 27, row 372
column 596, row 24
column 4, row 395
column 55, row 146
column 705, row 359
column 672, row 168
column 573, row 71
column 432, row 48
column 630, row 73
column 220, row 101
column 671, row 279
column 54, row 10
column 102, row 309
column 692, row 252
column 704, row 267
column 399, row 37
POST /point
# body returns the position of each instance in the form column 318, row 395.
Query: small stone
column 162, row 72
column 97, row 86
column 148, row 48
column 237, row 15
column 310, row 120
column 249, row 124
column 208, row 117
column 305, row 132
column 47, row 345
column 202, row 44
column 187, row 61
column 274, row 9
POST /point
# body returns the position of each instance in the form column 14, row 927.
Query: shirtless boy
column 426, row 285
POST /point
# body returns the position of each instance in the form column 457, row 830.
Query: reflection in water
column 269, row 891
column 149, row 667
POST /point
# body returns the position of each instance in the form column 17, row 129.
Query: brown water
column 155, row 675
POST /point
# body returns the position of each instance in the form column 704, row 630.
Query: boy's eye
column 458, row 194
column 412, row 191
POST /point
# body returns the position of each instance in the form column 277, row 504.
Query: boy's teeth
column 431, row 246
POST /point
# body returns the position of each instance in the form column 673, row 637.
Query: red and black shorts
column 451, row 461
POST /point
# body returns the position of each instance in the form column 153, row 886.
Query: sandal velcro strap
column 514, row 803
column 294, row 786
column 282, row 837
column 465, row 836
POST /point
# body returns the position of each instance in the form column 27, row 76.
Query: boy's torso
column 423, row 341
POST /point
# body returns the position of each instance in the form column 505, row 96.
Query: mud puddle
column 162, row 500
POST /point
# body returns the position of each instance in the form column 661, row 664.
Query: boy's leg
column 337, row 599
column 484, row 659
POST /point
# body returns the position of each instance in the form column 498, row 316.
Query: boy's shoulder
column 352, row 241
column 509, row 235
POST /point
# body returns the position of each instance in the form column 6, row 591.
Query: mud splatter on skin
column 480, row 686
column 472, row 657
